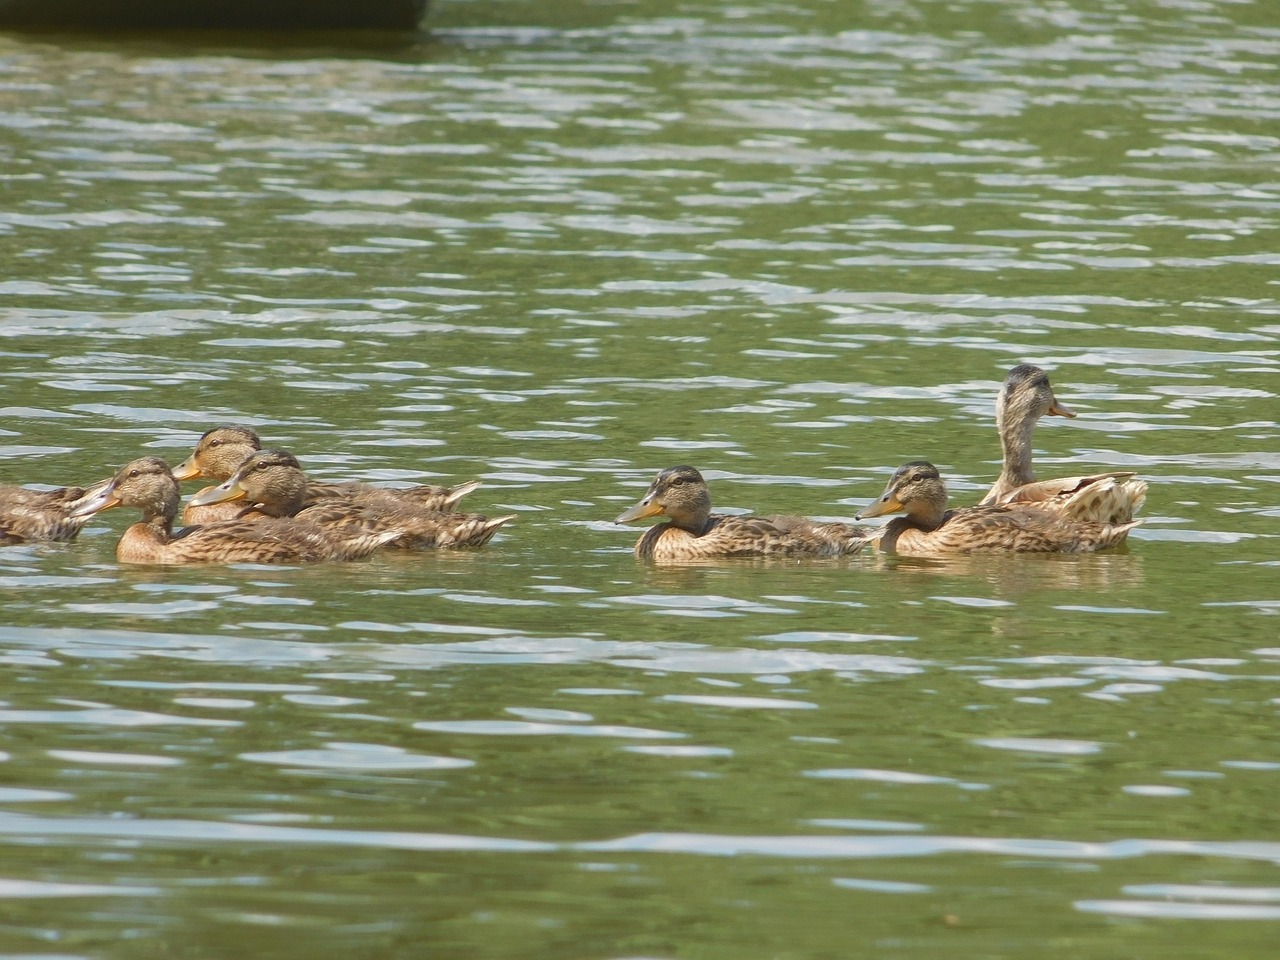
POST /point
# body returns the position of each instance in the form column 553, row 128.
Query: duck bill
column 648, row 507
column 187, row 469
column 223, row 493
column 1057, row 409
column 886, row 504
column 101, row 496
column 94, row 489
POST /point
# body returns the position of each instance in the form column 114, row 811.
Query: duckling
column 1105, row 497
column 928, row 528
column 272, row 484
column 220, row 451
column 693, row 532
column 149, row 484
column 40, row 516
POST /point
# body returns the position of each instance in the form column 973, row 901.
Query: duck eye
column 135, row 473
column 215, row 443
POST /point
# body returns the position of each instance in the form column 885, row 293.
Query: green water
column 558, row 248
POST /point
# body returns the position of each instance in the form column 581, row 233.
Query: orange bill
column 648, row 507
column 886, row 504
column 220, row 494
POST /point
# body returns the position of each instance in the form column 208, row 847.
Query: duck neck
column 273, row 508
column 286, row 495
column 928, row 511
column 693, row 517
column 158, row 527
column 1015, row 438
column 159, row 514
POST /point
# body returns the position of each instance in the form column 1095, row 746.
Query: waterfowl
column 217, row 454
column 150, row 485
column 270, row 483
column 35, row 516
column 1025, row 397
column 693, row 532
column 220, row 451
column 929, row 528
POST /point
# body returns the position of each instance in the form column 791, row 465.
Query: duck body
column 1025, row 397
column 930, row 529
column 39, row 516
column 148, row 484
column 423, row 497
column 220, row 451
column 693, row 532
column 1101, row 497
column 270, row 484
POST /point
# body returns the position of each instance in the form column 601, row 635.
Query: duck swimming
column 149, row 485
column 220, row 451
column 693, row 532
column 929, row 528
column 1025, row 397
column 40, row 516
column 271, row 484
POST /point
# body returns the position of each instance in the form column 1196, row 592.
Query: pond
column 557, row 248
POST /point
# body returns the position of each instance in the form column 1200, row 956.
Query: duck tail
column 457, row 493
column 1110, row 500
column 476, row 532
column 359, row 547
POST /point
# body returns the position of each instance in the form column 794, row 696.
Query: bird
column 693, row 532
column 1025, row 397
column 148, row 484
column 216, row 455
column 221, row 450
column 40, row 516
column 929, row 528
column 271, row 484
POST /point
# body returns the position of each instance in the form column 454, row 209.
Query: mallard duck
column 929, row 528
column 217, row 454
column 693, row 532
column 270, row 483
column 150, row 485
column 1025, row 397
column 220, row 451
column 40, row 516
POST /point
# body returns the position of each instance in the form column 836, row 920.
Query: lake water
column 558, row 247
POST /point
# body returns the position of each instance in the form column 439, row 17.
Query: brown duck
column 40, row 516
column 929, row 528
column 693, row 532
column 270, row 483
column 220, row 451
column 149, row 485
column 1025, row 397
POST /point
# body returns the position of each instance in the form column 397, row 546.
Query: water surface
column 560, row 248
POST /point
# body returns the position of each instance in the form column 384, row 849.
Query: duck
column 221, row 450
column 149, row 485
column 270, row 484
column 40, row 516
column 930, row 529
column 1025, row 397
column 693, row 532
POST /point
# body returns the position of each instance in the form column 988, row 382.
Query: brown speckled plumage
column 271, row 483
column 149, row 485
column 930, row 529
column 1025, row 397
column 39, row 516
column 693, row 532
column 220, row 451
